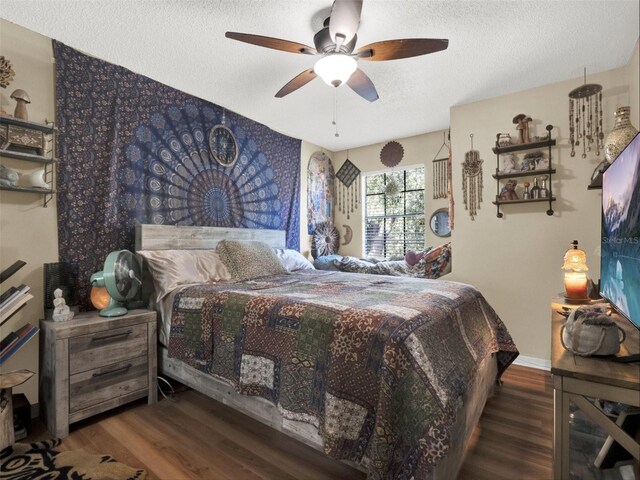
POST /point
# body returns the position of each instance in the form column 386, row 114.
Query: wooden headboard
column 177, row 237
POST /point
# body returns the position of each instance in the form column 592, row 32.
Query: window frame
column 365, row 216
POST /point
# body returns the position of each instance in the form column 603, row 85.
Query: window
column 394, row 221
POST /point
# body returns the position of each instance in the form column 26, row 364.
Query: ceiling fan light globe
column 335, row 69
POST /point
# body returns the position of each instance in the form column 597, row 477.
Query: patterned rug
column 38, row 461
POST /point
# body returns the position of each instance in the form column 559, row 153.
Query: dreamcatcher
column 326, row 240
column 472, row 180
column 348, row 188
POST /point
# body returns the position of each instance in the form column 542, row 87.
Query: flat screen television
column 620, row 258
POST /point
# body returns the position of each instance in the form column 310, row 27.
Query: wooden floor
column 198, row 438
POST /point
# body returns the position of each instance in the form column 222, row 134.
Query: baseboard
column 533, row 362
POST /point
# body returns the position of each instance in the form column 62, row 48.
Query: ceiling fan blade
column 297, row 82
column 363, row 86
column 405, row 48
column 344, row 20
column 270, row 42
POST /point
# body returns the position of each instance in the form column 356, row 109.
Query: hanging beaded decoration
column 472, row 181
column 450, row 183
column 440, row 178
column 440, row 173
column 585, row 118
column 348, row 191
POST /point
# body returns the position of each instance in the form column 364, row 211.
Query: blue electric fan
column 121, row 277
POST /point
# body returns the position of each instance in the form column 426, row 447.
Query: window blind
column 394, row 221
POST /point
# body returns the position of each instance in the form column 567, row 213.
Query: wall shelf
column 526, row 173
column 41, row 127
column 27, row 189
column 525, row 146
column 28, row 157
column 29, row 141
column 501, row 150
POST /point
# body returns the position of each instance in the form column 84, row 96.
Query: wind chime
column 585, row 117
column 440, row 173
column 348, row 190
column 472, row 181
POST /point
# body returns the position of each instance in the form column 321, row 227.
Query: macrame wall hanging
column 440, row 178
column 440, row 175
column 450, row 182
column 472, row 181
column 348, row 188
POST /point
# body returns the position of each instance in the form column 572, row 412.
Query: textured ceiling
column 496, row 47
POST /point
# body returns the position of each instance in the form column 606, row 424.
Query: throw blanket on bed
column 435, row 263
column 377, row 364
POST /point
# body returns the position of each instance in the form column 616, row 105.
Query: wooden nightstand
column 92, row 364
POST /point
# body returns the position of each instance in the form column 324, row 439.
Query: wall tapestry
column 135, row 150
column 320, row 191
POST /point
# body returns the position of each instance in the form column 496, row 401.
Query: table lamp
column 575, row 276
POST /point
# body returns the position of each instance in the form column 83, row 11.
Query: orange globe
column 100, row 297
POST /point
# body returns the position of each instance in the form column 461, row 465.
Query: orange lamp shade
column 99, row 297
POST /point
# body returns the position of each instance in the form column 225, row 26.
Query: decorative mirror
column 439, row 223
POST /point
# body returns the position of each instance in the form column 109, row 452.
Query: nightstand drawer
column 105, row 383
column 87, row 352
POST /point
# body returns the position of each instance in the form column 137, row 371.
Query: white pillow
column 293, row 260
column 172, row 268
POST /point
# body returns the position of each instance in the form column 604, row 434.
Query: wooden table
column 575, row 378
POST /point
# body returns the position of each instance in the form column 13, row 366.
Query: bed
column 389, row 374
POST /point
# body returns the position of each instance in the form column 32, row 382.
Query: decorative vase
column 622, row 133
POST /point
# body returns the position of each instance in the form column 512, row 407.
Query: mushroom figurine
column 22, row 98
column 522, row 125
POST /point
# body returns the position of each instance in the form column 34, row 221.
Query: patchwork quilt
column 377, row 364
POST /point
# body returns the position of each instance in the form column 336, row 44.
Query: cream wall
column 418, row 150
column 27, row 230
column 515, row 261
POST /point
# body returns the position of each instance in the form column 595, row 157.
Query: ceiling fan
column 335, row 43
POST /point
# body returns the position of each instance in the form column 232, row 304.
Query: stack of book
column 14, row 341
column 12, row 300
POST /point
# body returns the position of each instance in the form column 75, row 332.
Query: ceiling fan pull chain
column 335, row 110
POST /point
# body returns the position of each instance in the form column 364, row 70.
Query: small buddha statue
column 61, row 311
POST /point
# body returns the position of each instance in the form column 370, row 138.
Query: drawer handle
column 115, row 370
column 113, row 335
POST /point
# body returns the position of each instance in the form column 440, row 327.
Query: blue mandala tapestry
column 135, row 150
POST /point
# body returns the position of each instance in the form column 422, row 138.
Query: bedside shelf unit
column 498, row 150
column 91, row 364
column 20, row 137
